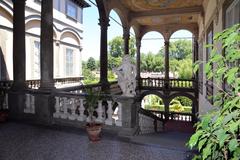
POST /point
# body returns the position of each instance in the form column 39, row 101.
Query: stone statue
column 126, row 77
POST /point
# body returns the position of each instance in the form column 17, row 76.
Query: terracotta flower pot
column 94, row 131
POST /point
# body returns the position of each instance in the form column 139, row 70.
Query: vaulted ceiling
column 158, row 12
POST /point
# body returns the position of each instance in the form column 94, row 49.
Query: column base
column 105, row 86
column 18, row 86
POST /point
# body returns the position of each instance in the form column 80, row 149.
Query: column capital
column 104, row 22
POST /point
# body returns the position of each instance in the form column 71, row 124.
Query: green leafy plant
column 218, row 133
column 91, row 101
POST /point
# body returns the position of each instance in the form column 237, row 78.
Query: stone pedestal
column 44, row 107
column 129, row 116
column 16, row 102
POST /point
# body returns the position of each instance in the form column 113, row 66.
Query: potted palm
column 91, row 102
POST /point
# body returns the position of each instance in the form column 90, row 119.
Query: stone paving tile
column 26, row 142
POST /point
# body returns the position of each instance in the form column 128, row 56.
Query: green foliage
column 184, row 101
column 185, row 69
column 91, row 100
column 116, row 47
column 180, row 60
column 114, row 62
column 91, row 64
column 218, row 133
column 111, row 76
column 176, row 108
column 152, row 63
column 176, row 105
column 180, row 49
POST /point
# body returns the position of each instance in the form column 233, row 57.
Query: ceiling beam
column 165, row 12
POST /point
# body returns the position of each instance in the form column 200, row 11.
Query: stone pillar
column 138, row 45
column 19, row 53
column 46, row 52
column 166, row 63
column 104, row 23
column 195, row 56
column 126, row 37
column 195, row 50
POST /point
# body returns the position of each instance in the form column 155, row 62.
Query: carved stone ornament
column 126, row 77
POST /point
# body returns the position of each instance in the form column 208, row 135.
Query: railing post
column 65, row 109
column 81, row 109
column 57, row 113
column 73, row 106
column 109, row 120
column 99, row 112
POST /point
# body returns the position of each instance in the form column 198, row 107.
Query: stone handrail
column 148, row 122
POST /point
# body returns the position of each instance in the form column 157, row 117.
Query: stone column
column 104, row 23
column 46, row 52
column 126, row 37
column 166, row 62
column 195, row 50
column 19, row 52
column 138, row 45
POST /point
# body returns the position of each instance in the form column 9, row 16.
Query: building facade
column 68, row 36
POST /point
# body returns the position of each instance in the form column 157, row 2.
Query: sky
column 91, row 34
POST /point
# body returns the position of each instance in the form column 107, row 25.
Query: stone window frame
column 209, row 83
column 69, row 2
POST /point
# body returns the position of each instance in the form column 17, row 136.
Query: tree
column 116, row 47
column 114, row 62
column 185, row 69
column 91, row 64
column 180, row 49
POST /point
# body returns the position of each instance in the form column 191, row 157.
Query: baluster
column 57, row 108
column 119, row 113
column 73, row 107
column 27, row 104
column 32, row 104
column 81, row 109
column 65, row 108
column 99, row 112
column 109, row 120
column 5, row 102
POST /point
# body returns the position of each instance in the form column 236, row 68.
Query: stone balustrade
column 72, row 108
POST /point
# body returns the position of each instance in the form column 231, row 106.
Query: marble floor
column 27, row 142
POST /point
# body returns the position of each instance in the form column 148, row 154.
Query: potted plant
column 91, row 102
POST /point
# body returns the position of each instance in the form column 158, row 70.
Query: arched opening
column 6, row 43
column 152, row 55
column 152, row 102
column 180, row 55
column 181, row 104
column 115, row 44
